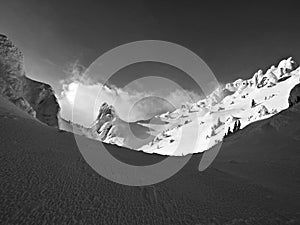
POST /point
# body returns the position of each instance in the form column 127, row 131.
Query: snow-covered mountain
column 195, row 127
column 245, row 101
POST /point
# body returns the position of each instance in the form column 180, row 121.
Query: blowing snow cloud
column 82, row 95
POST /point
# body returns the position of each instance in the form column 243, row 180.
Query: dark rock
column 106, row 114
column 106, row 110
column 24, row 105
column 294, row 97
column 42, row 98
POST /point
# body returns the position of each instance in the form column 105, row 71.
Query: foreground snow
column 44, row 179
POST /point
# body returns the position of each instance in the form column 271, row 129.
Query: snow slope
column 197, row 127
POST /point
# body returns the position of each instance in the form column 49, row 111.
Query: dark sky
column 234, row 38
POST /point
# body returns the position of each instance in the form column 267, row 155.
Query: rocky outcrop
column 294, row 97
column 104, row 121
column 12, row 60
column 286, row 66
column 274, row 74
column 34, row 97
column 42, row 99
column 261, row 111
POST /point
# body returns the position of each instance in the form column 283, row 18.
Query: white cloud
column 83, row 96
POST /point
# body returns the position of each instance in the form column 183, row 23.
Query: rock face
column 104, row 121
column 274, row 75
column 294, row 97
column 42, row 99
column 34, row 97
column 270, row 78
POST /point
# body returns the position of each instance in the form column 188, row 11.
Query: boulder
column 286, row 66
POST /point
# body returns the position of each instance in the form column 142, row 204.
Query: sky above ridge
column 234, row 38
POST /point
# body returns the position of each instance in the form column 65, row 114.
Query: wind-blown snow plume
column 131, row 105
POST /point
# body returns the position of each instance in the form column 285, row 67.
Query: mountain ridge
column 259, row 97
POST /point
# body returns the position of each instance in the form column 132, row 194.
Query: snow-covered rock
column 237, row 83
column 286, row 66
column 103, row 122
column 262, row 110
column 257, row 77
column 270, row 79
